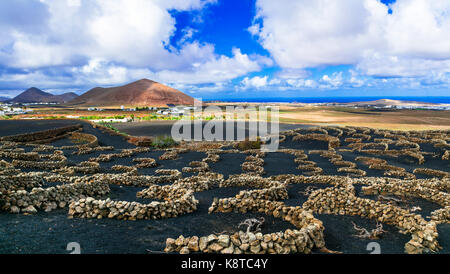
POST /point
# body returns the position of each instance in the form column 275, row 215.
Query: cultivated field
column 161, row 128
column 327, row 189
column 375, row 118
column 393, row 119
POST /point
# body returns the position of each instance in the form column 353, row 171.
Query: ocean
column 425, row 99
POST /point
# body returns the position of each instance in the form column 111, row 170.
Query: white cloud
column 266, row 83
column 100, row 72
column 132, row 32
column 377, row 64
column 38, row 79
column 355, row 79
column 420, row 29
column 254, row 29
column 302, row 83
column 208, row 88
column 254, row 82
column 306, row 33
column 216, row 69
column 110, row 42
column 412, row 41
column 335, row 80
column 95, row 42
column 289, row 73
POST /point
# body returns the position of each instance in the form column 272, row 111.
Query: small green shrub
column 108, row 125
column 247, row 144
column 164, row 142
column 149, row 117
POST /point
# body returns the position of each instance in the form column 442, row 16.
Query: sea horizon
column 338, row 99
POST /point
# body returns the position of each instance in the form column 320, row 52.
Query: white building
column 190, row 108
column 124, row 120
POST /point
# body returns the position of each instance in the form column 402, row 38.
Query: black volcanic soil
column 158, row 128
column 340, row 235
column 51, row 232
column 13, row 127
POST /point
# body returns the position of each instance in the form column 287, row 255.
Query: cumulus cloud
column 355, row 79
column 382, row 65
column 304, row 33
column 254, row 82
column 218, row 68
column 419, row 28
column 94, row 42
column 412, row 41
column 267, row 83
column 132, row 32
column 288, row 73
column 335, row 80
column 101, row 72
column 11, row 15
column 302, row 83
column 38, row 78
column 204, row 88
column 110, row 42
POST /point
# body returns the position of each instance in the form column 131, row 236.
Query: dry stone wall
column 122, row 210
column 17, row 201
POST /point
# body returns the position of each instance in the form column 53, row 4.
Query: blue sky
column 217, row 49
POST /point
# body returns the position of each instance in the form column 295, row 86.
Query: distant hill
column 389, row 102
column 4, row 98
column 140, row 93
column 35, row 95
column 65, row 97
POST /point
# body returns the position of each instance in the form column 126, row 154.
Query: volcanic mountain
column 66, row 97
column 35, row 95
column 140, row 93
